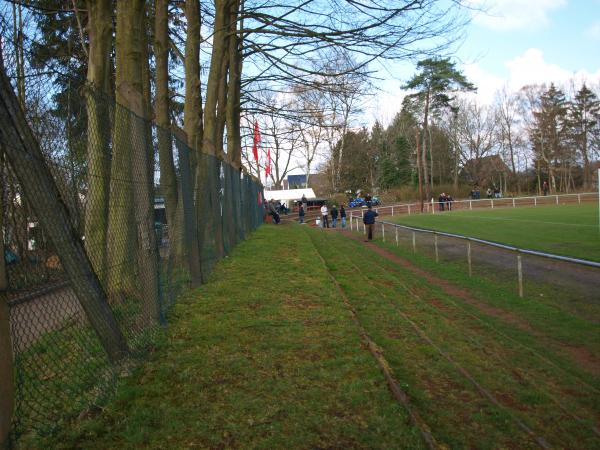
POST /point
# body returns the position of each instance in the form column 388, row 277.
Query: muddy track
column 567, row 276
column 439, row 310
column 398, row 393
column 583, row 357
column 484, row 393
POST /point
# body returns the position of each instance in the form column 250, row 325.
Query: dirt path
column 582, row 356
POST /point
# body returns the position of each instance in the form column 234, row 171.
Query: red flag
column 268, row 168
column 256, row 140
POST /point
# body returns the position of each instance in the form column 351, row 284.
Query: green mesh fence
column 149, row 230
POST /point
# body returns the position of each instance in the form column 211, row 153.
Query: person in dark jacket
column 301, row 213
column 441, row 201
column 334, row 216
column 343, row 216
column 369, row 221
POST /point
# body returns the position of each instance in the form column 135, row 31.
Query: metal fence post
column 351, row 219
column 435, row 243
column 392, row 211
column 513, row 202
column 492, row 203
column 579, row 198
column 397, row 244
column 469, row 257
column 557, row 199
column 409, row 210
column 534, row 201
column 414, row 242
column 383, row 232
column 520, row 274
column 470, row 204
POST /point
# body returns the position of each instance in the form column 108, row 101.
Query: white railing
column 433, row 206
column 355, row 225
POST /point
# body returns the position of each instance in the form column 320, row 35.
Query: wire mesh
column 147, row 236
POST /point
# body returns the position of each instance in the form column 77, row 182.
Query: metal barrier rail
column 431, row 207
column 519, row 251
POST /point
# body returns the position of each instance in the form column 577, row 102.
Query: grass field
column 570, row 230
column 284, row 348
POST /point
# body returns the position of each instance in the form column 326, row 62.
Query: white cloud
column 528, row 68
column 593, row 32
column 514, row 14
column 487, row 84
column 532, row 68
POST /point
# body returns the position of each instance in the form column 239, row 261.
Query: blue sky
column 517, row 42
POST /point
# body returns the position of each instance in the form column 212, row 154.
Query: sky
column 512, row 43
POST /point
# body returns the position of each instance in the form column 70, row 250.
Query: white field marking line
column 525, row 220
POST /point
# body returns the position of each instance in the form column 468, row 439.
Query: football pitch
column 569, row 230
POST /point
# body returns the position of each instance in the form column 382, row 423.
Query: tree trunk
column 194, row 131
column 233, row 111
column 192, row 109
column 419, row 172
column 207, row 182
column 168, row 177
column 98, row 132
column 425, row 180
column 7, row 393
column 40, row 190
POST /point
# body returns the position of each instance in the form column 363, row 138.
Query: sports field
column 570, row 230
column 305, row 338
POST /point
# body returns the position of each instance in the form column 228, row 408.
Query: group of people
column 475, row 193
column 334, row 216
column 494, row 193
column 445, row 202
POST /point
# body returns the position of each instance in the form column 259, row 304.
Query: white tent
column 289, row 195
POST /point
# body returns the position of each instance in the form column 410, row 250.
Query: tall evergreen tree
column 584, row 126
column 550, row 131
column 436, row 79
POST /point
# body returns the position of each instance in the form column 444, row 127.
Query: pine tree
column 437, row 78
column 584, row 125
column 550, row 132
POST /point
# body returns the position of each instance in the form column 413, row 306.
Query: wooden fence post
column 520, row 274
column 27, row 161
column 469, row 258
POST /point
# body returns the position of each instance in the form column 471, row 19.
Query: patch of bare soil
column 582, row 356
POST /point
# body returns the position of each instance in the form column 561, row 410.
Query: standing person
column 343, row 215
column 301, row 213
column 441, row 200
column 545, row 188
column 334, row 216
column 304, row 203
column 324, row 218
column 449, row 201
column 274, row 212
column 369, row 221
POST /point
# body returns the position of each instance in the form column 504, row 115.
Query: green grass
column 267, row 355
column 570, row 230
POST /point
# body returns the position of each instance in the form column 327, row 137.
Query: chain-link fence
column 573, row 282
column 100, row 237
